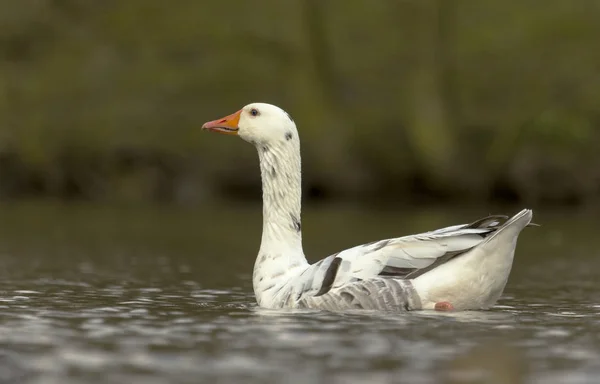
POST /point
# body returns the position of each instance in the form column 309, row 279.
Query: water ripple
column 73, row 332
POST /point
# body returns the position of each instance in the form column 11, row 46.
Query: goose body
column 459, row 267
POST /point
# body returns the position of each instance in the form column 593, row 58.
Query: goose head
column 256, row 123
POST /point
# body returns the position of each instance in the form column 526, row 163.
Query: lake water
column 109, row 294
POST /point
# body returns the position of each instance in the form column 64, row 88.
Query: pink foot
column 443, row 306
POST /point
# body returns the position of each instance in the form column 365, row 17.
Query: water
column 93, row 294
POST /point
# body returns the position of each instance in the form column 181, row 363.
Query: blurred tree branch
column 320, row 51
column 336, row 161
column 430, row 128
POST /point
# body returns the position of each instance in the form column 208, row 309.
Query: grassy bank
column 403, row 100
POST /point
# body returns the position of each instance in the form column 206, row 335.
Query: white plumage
column 459, row 267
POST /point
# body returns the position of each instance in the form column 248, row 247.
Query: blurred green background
column 452, row 101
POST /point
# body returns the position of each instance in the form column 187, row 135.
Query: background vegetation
column 396, row 100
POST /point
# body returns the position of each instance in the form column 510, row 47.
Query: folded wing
column 401, row 258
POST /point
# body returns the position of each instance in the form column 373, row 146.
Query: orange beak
column 228, row 125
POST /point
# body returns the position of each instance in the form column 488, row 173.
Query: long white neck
column 281, row 179
column 281, row 245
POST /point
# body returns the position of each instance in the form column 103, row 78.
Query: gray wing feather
column 374, row 294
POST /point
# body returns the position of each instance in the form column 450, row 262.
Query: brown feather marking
column 329, row 276
column 439, row 261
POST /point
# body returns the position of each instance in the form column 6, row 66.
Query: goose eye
column 254, row 112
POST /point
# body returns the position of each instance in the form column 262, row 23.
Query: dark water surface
column 92, row 294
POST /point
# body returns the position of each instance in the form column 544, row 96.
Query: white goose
column 455, row 268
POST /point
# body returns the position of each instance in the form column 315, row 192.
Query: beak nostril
column 222, row 121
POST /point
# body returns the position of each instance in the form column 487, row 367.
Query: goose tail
column 476, row 279
column 512, row 227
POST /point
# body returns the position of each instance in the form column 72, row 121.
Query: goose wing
column 402, row 258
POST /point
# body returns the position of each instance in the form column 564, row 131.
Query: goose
column 461, row 267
